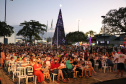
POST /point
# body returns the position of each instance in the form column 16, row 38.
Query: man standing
column 121, row 58
column 115, row 56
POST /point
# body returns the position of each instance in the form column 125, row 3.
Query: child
column 46, row 71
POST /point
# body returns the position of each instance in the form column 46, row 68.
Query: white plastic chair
column 104, row 66
column 11, row 67
column 53, row 74
column 22, row 73
column 35, row 79
column 96, row 64
column 30, row 70
column 15, row 72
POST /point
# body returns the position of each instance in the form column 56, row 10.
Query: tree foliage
column 31, row 29
column 91, row 33
column 115, row 21
column 75, row 37
column 5, row 30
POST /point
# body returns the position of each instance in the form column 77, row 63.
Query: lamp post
column 6, row 10
column 78, row 25
column 104, row 34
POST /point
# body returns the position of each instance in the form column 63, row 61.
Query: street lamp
column 78, row 25
column 6, row 9
column 104, row 34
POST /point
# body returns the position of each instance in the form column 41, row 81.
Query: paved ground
column 99, row 77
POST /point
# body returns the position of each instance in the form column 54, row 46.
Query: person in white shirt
column 121, row 58
column 48, row 63
column 115, row 56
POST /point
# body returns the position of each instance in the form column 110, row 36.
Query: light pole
column 104, row 33
column 6, row 9
column 78, row 25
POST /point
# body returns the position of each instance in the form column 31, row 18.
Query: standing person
column 2, row 59
column 115, row 62
column 121, row 58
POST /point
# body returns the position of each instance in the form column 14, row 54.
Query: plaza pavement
column 99, row 77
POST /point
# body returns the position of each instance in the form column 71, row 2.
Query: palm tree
column 5, row 30
column 91, row 33
column 31, row 29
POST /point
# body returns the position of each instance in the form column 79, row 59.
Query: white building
column 11, row 39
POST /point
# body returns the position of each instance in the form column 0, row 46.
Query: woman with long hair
column 38, row 72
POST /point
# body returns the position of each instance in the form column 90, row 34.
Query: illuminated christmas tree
column 60, row 32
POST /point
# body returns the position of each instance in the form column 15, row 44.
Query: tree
column 5, row 30
column 115, row 21
column 91, row 33
column 75, row 37
column 31, row 29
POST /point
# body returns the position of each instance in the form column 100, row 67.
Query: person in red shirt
column 37, row 72
column 56, row 68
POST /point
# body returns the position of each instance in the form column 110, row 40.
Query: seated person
column 55, row 68
column 48, row 62
column 88, row 66
column 70, row 67
column 32, row 62
column 46, row 71
column 99, row 61
column 18, row 59
column 24, row 62
column 78, row 68
column 110, row 63
column 92, row 61
column 11, row 61
column 38, row 71
column 64, row 69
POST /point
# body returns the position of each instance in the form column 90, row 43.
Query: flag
column 90, row 41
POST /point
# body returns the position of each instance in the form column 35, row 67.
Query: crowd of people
column 65, row 61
